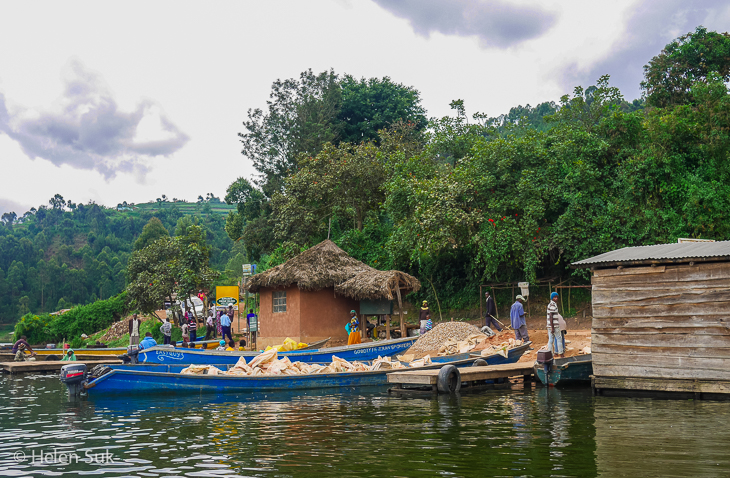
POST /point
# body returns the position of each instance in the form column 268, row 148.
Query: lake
column 516, row 431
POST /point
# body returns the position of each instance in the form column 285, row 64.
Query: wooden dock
column 469, row 375
column 49, row 366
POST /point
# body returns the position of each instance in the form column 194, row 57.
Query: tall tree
column 370, row 105
column 669, row 76
column 152, row 231
column 299, row 119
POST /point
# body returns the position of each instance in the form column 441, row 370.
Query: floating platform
column 49, row 366
column 469, row 375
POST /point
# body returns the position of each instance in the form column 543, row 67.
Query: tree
column 343, row 180
column 370, row 105
column 57, row 202
column 249, row 200
column 152, row 231
column 669, row 76
column 168, row 265
column 299, row 119
column 9, row 218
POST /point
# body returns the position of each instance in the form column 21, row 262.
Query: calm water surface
column 507, row 432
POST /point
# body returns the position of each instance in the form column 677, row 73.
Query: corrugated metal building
column 661, row 318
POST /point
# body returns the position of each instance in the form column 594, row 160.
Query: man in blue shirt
column 226, row 326
column 147, row 341
column 517, row 316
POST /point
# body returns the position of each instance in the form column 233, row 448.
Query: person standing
column 352, row 329
column 517, row 318
column 250, row 316
column 555, row 338
column 226, row 326
column 491, row 313
column 209, row 327
column 166, row 329
column 134, row 323
column 193, row 329
column 185, row 334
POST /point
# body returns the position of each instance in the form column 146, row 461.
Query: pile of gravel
column 440, row 334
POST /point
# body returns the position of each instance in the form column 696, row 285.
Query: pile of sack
column 501, row 349
column 452, row 346
column 268, row 363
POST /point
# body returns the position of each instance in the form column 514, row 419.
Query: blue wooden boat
column 152, row 378
column 361, row 352
column 567, row 371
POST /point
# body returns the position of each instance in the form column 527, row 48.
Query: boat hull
column 361, row 352
column 567, row 371
column 143, row 379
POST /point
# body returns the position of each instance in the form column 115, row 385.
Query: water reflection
column 505, row 432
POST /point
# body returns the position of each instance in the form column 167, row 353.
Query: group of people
column 556, row 325
column 217, row 323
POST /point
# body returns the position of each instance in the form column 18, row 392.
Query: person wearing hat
column 491, row 313
column 221, row 345
column 555, row 337
column 517, row 317
column 353, row 333
column 425, row 311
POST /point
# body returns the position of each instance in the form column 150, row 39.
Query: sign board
column 225, row 296
column 376, row 307
column 524, row 288
column 249, row 269
column 253, row 324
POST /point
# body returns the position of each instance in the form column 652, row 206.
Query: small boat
column 57, row 354
column 360, row 352
column 148, row 378
column 566, row 371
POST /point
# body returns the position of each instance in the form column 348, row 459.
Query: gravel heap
column 440, row 334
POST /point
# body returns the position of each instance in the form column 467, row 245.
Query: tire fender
column 479, row 363
column 449, row 379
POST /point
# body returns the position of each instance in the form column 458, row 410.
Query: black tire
column 479, row 363
column 53, row 358
column 449, row 379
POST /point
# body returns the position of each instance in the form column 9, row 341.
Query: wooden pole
column 387, row 327
column 363, row 327
column 400, row 310
column 481, row 314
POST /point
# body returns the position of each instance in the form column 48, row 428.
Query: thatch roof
column 375, row 284
column 326, row 265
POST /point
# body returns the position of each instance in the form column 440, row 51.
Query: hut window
column 279, row 301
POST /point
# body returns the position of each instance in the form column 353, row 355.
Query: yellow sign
column 226, row 295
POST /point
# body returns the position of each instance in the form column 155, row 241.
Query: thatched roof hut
column 326, row 265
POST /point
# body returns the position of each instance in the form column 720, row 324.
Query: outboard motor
column 131, row 357
column 545, row 357
column 74, row 376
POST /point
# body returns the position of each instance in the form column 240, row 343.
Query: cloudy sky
column 126, row 101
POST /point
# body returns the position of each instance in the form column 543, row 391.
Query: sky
column 126, row 101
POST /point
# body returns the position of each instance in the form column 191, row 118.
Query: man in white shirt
column 134, row 330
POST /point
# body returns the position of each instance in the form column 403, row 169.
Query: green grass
column 184, row 207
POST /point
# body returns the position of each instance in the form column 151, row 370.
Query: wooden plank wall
column 664, row 322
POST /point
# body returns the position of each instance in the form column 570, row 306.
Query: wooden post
column 363, row 328
column 387, row 327
column 400, row 311
column 481, row 314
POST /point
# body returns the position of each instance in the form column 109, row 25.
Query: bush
column 37, row 329
column 91, row 318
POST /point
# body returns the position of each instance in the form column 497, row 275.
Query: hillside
column 67, row 254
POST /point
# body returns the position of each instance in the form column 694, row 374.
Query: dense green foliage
column 54, row 257
column 70, row 325
column 522, row 195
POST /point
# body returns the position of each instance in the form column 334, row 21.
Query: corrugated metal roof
column 662, row 252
